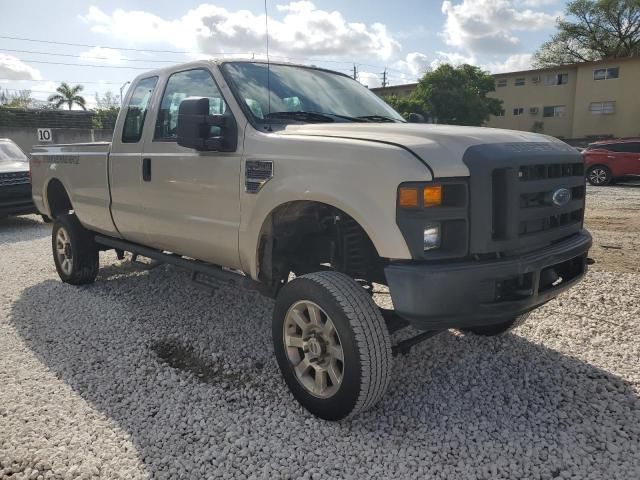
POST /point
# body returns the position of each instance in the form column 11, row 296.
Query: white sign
column 44, row 135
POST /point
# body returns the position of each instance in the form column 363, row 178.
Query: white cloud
column 487, row 26
column 369, row 79
column 453, row 58
column 303, row 31
column 513, row 63
column 102, row 55
column 417, row 63
column 12, row 68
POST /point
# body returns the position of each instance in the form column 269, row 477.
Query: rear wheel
column 497, row 328
column 74, row 251
column 331, row 344
column 599, row 175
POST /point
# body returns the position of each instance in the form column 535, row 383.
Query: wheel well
column 307, row 236
column 58, row 199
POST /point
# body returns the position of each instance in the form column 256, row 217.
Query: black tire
column 361, row 333
column 497, row 328
column 79, row 249
column 599, row 175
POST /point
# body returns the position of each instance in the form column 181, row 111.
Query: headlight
column 440, row 212
column 431, row 235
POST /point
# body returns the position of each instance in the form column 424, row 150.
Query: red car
column 610, row 160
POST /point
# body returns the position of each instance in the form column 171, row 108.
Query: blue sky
column 405, row 37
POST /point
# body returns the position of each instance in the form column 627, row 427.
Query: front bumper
column 16, row 200
column 455, row 295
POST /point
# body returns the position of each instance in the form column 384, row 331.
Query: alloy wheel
column 314, row 349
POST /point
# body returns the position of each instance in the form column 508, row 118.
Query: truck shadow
column 23, row 228
column 166, row 361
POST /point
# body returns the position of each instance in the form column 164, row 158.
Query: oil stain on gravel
column 182, row 357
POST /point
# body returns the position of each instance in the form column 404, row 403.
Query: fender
column 333, row 171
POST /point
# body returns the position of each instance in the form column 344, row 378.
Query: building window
column 520, row 82
column 556, row 79
column 502, row 82
column 500, row 114
column 606, row 73
column 602, row 108
column 554, row 111
column 518, row 111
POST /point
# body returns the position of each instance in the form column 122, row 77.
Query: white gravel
column 83, row 393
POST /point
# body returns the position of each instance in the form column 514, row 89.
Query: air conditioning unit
column 536, row 79
column 534, row 110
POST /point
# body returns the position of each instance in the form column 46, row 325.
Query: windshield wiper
column 308, row 116
column 379, row 118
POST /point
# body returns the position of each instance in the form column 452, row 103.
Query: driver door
column 191, row 198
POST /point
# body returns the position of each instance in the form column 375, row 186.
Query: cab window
column 181, row 85
column 137, row 110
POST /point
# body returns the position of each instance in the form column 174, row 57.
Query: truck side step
column 207, row 269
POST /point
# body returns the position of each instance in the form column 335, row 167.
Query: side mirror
column 415, row 118
column 203, row 132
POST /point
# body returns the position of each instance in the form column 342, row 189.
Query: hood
column 442, row 147
column 10, row 167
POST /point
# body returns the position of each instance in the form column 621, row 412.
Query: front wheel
column 74, row 251
column 497, row 328
column 599, row 176
column 331, row 344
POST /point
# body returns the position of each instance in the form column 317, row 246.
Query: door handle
column 146, row 169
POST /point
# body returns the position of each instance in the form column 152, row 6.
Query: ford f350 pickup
column 301, row 182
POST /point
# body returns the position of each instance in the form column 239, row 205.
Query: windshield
column 322, row 96
column 10, row 153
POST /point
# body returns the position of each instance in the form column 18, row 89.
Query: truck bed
column 83, row 169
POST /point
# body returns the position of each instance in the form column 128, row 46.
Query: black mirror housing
column 195, row 124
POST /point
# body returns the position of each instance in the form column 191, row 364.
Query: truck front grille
column 524, row 196
column 14, row 178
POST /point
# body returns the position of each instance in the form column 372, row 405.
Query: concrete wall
column 26, row 137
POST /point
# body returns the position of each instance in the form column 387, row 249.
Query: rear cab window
column 137, row 110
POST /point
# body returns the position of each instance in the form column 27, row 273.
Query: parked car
column 612, row 160
column 15, row 182
column 302, row 183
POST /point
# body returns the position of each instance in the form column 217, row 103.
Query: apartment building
column 585, row 100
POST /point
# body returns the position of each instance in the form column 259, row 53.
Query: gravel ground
column 142, row 375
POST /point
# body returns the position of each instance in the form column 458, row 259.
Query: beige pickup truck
column 302, row 183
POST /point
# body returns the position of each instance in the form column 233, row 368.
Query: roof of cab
column 220, row 61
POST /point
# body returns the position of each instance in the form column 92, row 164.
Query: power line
column 69, row 44
column 86, row 57
column 59, row 81
column 88, row 65
column 43, row 91
column 185, row 52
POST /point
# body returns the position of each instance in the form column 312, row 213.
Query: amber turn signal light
column 432, row 196
column 408, row 197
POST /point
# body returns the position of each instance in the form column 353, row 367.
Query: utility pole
column 384, row 79
column 355, row 72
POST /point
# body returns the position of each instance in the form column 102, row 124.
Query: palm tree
column 68, row 95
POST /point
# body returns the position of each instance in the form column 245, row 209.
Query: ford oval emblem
column 561, row 197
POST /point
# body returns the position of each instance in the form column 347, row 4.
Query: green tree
column 406, row 105
column 593, row 30
column 69, row 96
column 17, row 99
column 457, row 95
column 106, row 112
